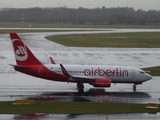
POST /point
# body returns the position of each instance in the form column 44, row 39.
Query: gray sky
column 136, row 4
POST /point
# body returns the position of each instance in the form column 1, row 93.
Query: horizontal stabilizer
column 23, row 67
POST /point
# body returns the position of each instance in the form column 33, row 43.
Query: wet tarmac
column 44, row 116
column 20, row 86
column 14, row 85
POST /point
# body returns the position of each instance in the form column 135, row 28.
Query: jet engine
column 102, row 83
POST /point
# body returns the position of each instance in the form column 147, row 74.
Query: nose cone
column 148, row 76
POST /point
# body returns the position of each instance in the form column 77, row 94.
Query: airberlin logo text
column 101, row 72
column 20, row 50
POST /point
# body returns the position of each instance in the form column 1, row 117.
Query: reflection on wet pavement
column 44, row 116
column 20, row 86
column 93, row 95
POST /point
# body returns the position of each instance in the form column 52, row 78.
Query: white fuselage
column 117, row 74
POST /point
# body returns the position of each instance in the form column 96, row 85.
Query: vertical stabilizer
column 22, row 53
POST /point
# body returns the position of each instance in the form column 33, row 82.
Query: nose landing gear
column 134, row 86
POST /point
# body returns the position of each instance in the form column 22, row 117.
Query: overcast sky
column 136, row 4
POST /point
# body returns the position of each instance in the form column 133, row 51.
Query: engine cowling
column 102, row 83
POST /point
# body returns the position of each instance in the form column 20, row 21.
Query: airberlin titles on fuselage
column 101, row 72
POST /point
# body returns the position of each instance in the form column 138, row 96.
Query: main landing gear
column 134, row 87
column 80, row 87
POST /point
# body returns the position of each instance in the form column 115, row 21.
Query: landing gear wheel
column 134, row 87
column 80, row 87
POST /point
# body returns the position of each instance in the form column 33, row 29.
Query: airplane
column 95, row 75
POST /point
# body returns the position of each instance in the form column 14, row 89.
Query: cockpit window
column 142, row 72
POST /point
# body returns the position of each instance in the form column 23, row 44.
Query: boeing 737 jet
column 96, row 75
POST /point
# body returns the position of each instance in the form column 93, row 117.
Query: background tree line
column 120, row 15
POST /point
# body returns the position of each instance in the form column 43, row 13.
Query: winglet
column 52, row 61
column 64, row 70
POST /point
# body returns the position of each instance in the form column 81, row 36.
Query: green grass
column 154, row 71
column 122, row 40
column 10, row 25
column 73, row 108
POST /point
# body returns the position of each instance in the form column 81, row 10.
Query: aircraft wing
column 82, row 78
column 77, row 78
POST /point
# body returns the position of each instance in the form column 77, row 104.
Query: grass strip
column 73, row 108
column 154, row 71
column 118, row 40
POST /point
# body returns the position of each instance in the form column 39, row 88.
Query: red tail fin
column 22, row 53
